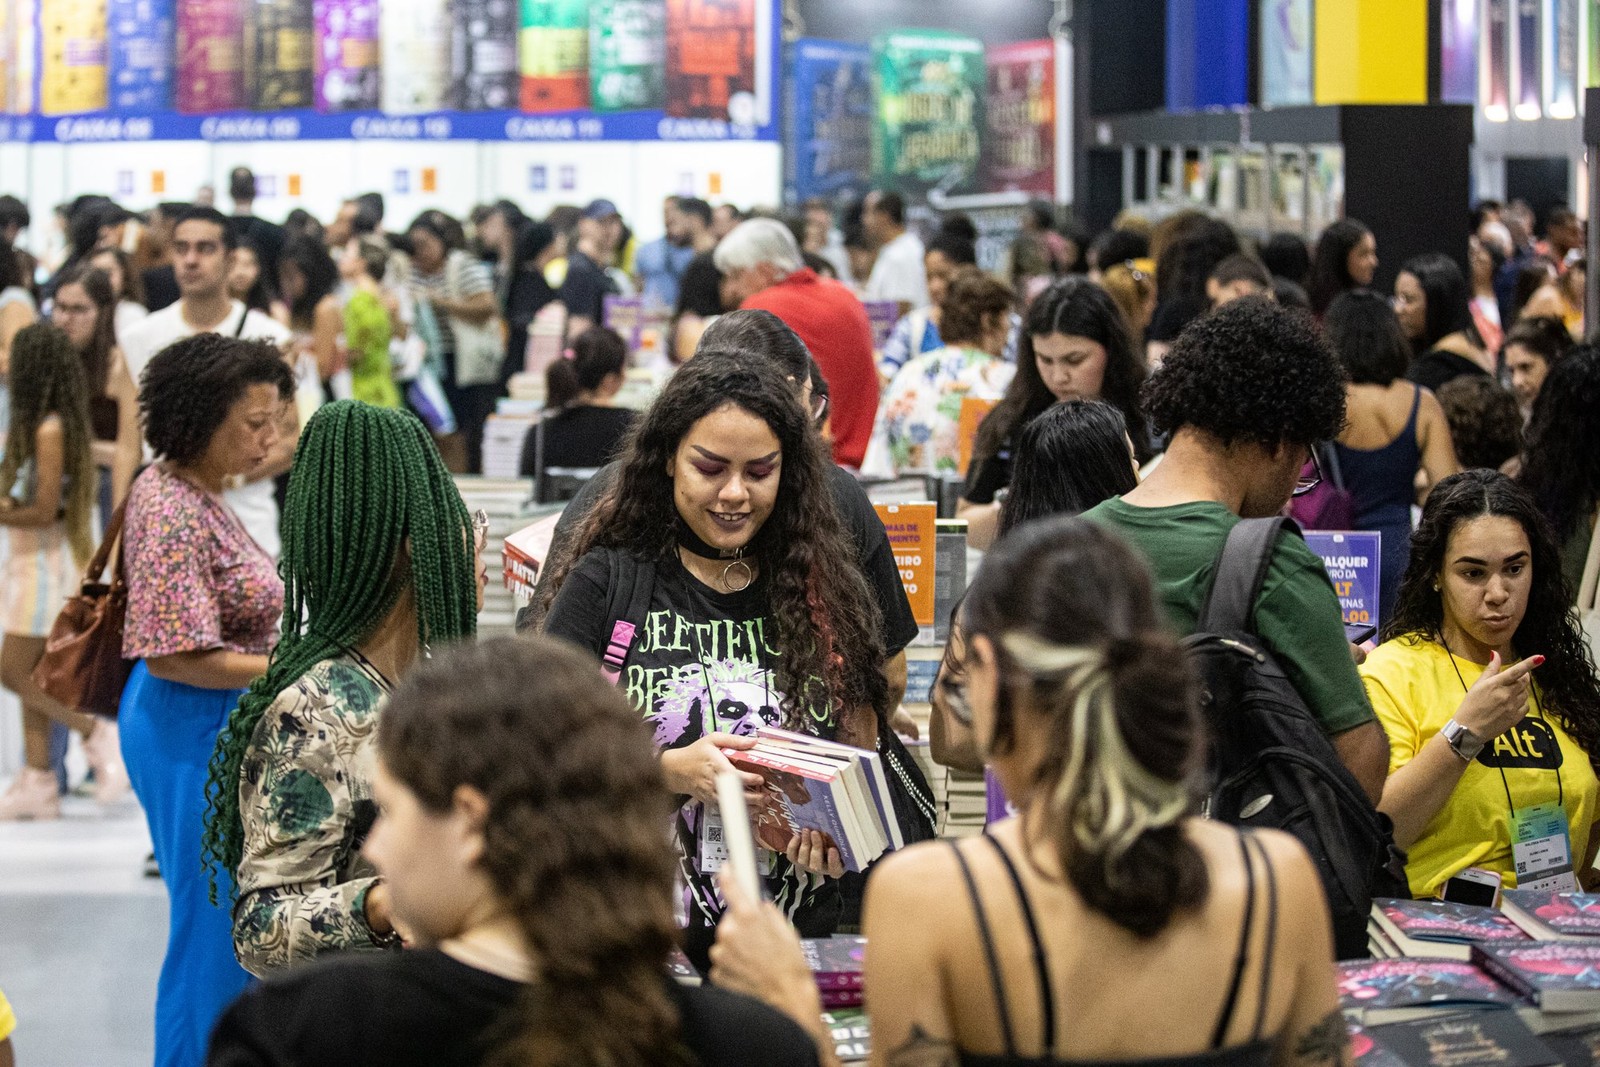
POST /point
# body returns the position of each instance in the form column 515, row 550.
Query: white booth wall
column 636, row 175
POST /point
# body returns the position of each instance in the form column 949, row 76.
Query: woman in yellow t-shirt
column 1473, row 735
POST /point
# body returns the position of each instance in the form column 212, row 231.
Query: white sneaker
column 32, row 796
column 103, row 749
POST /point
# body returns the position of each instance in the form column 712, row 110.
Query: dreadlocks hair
column 47, row 379
column 828, row 627
column 370, row 512
column 1567, row 678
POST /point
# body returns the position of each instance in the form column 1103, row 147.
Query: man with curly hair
column 1244, row 394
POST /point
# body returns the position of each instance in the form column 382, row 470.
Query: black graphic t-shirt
column 701, row 662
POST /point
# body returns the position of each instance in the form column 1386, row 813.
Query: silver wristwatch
column 1463, row 742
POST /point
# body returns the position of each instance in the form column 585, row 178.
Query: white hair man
column 762, row 267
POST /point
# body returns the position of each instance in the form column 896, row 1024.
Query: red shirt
column 833, row 324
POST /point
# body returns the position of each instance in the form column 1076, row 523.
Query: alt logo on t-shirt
column 1530, row 744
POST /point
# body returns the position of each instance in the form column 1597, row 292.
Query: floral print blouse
column 305, row 800
column 918, row 426
column 196, row 581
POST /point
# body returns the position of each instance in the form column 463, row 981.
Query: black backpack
column 1270, row 763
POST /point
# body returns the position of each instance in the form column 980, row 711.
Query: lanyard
column 1538, row 704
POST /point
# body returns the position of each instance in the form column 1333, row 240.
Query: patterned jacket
column 305, row 798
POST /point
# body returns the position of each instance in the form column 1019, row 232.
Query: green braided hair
column 367, row 486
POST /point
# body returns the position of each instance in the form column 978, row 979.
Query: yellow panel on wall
column 1371, row 51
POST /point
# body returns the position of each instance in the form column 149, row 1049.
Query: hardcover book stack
column 1519, row 985
column 922, row 668
column 812, row 784
column 836, row 963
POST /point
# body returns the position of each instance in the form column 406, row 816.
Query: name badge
column 1541, row 849
column 714, row 850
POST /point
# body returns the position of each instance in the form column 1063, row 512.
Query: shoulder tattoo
column 1328, row 1040
column 920, row 1050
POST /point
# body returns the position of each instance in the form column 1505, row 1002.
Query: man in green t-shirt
column 1245, row 392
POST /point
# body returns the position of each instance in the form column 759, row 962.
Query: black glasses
column 1304, row 485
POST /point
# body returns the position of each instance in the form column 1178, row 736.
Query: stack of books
column 812, row 784
column 967, row 805
column 922, row 668
column 851, row 1031
column 1520, row 984
column 836, row 963
column 1434, row 928
column 503, row 437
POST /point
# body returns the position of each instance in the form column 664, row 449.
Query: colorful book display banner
column 1496, row 85
column 930, row 94
column 830, row 117
column 1019, row 146
column 1286, row 27
column 1528, row 56
column 503, row 70
column 911, row 529
column 1458, row 51
column 1561, row 38
column 1352, row 562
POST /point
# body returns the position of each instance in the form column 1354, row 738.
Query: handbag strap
column 111, row 540
column 1588, row 587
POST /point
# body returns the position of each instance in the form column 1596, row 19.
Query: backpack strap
column 1240, row 570
column 628, row 590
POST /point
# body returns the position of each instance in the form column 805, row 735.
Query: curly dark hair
column 1072, row 613
column 972, row 299
column 190, row 386
column 1330, row 265
column 1567, row 678
column 1562, row 465
column 572, row 840
column 828, row 625
column 1365, row 333
column 1076, row 307
column 1252, row 372
column 1485, row 423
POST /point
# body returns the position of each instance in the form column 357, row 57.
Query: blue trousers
column 168, row 733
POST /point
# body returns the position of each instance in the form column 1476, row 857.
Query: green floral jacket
column 305, row 798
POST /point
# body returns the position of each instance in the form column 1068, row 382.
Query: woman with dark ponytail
column 1048, row 939
column 520, row 832
column 378, row 564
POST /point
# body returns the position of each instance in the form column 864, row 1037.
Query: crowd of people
column 331, row 765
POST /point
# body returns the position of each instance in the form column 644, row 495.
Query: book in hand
column 1553, row 916
column 1441, row 928
column 1558, row 976
column 836, row 963
column 811, row 784
column 1397, row 990
column 1499, row 1038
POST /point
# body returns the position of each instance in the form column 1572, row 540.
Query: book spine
column 1504, row 973
column 841, row 998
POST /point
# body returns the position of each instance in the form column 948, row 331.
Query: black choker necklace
column 736, row 576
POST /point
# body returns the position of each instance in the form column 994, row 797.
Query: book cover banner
column 930, row 94
column 1286, row 52
column 1352, row 561
column 424, row 70
column 1458, row 52
column 828, row 140
column 1019, row 147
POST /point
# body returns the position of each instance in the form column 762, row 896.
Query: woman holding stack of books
column 717, row 585
column 1487, row 691
column 1104, row 922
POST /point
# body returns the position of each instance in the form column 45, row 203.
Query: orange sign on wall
column 973, row 410
column 430, row 180
column 911, row 529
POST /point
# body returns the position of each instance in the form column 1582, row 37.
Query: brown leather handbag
column 83, row 665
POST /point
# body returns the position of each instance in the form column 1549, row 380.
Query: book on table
column 836, row 964
column 1375, row 992
column 851, row 1032
column 1548, row 916
column 1441, row 928
column 1558, row 976
column 1499, row 1038
column 812, row 784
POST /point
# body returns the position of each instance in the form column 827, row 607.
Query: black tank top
column 1257, row 1052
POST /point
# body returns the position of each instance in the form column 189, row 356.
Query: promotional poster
column 829, row 145
column 1020, row 136
column 930, row 92
column 1286, row 27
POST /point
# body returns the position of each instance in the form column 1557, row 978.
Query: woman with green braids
column 380, row 560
